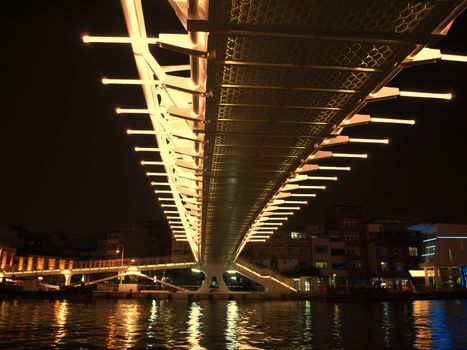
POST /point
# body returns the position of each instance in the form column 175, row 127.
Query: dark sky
column 67, row 164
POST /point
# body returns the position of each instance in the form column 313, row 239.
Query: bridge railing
column 263, row 271
column 107, row 264
column 115, row 263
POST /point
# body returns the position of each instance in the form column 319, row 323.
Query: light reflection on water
column 60, row 318
column 216, row 324
column 194, row 326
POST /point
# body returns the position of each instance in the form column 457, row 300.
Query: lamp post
column 120, row 248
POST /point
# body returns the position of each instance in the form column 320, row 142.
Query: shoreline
column 168, row 295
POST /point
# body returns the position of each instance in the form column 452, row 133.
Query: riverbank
column 72, row 293
column 390, row 296
column 84, row 292
column 359, row 297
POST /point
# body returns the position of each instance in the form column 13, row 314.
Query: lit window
column 321, row 264
column 413, row 251
column 384, row 265
column 299, row 235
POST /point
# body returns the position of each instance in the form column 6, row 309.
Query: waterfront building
column 288, row 252
column 444, row 254
column 347, row 224
column 392, row 252
column 132, row 242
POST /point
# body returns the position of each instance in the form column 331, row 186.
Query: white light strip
column 350, row 155
column 283, row 213
column 288, row 208
column 162, row 191
column 312, row 187
column 131, row 111
column 303, row 195
column 107, row 81
column 326, row 178
column 261, row 232
column 446, row 96
column 168, row 205
column 159, row 183
column 343, row 168
column 393, row 121
column 146, row 149
column 141, row 132
column 360, row 140
column 114, row 39
column 147, row 162
column 454, row 58
column 256, row 240
column 295, row 202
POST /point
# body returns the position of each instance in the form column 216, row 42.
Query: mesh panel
column 261, row 113
column 318, row 99
column 353, row 54
column 242, row 127
column 250, row 96
column 295, row 14
column 332, row 79
column 254, row 75
column 385, row 16
column 239, row 48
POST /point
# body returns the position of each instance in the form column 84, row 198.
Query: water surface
column 221, row 324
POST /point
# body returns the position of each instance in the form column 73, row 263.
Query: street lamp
column 120, row 248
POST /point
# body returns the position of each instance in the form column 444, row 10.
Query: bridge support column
column 67, row 274
column 214, row 281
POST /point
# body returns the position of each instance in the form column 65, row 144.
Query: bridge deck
column 103, row 266
column 281, row 78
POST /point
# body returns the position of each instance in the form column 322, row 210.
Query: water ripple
column 176, row 324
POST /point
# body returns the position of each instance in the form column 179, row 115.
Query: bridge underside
column 271, row 83
column 283, row 75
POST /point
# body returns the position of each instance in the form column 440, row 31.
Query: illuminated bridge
column 270, row 87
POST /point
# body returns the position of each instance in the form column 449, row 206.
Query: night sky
column 67, row 164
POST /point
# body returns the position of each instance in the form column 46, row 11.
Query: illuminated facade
column 243, row 131
column 444, row 254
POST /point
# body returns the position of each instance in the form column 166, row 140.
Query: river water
column 229, row 324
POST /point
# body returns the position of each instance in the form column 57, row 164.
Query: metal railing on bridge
column 263, row 272
column 116, row 263
column 104, row 265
